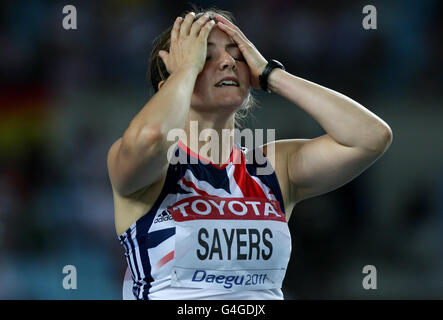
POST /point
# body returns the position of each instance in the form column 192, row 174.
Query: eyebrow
column 229, row 45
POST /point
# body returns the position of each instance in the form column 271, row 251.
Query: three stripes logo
column 164, row 216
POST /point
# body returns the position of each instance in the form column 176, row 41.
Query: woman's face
column 223, row 60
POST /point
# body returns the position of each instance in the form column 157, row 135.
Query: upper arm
column 317, row 166
column 132, row 166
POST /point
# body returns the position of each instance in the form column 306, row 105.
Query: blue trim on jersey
column 132, row 254
column 156, row 237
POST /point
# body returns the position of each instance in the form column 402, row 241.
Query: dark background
column 67, row 95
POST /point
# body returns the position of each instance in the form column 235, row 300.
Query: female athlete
column 211, row 223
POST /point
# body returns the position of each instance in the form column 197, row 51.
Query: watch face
column 277, row 64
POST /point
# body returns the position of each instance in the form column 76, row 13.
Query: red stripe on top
column 190, row 184
column 247, row 185
column 165, row 259
column 234, row 154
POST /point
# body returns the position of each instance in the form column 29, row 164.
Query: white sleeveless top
column 215, row 232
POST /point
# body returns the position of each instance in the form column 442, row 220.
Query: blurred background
column 67, row 95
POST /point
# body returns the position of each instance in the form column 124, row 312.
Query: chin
column 229, row 107
column 230, row 103
column 227, row 102
column 235, row 101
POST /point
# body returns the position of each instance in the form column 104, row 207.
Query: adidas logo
column 164, row 216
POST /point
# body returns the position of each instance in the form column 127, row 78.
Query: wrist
column 264, row 77
column 275, row 80
column 191, row 70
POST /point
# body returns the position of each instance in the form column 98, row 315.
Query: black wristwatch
column 263, row 79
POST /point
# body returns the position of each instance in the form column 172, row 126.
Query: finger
column 176, row 29
column 186, row 25
column 232, row 33
column 206, row 30
column 238, row 37
column 197, row 25
column 225, row 21
column 163, row 54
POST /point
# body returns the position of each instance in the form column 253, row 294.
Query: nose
column 227, row 61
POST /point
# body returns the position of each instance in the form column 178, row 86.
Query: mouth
column 227, row 82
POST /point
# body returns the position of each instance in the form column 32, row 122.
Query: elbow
column 389, row 136
column 143, row 141
column 378, row 140
column 150, row 139
column 129, row 154
column 383, row 140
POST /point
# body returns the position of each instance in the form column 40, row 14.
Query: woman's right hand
column 188, row 43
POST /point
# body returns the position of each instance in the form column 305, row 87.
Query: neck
column 210, row 135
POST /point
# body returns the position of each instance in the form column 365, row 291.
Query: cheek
column 244, row 74
column 201, row 92
column 202, row 84
column 247, row 75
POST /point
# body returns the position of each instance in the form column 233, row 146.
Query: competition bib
column 230, row 243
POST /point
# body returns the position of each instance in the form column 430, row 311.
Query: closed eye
column 236, row 59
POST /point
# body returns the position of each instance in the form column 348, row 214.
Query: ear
column 160, row 84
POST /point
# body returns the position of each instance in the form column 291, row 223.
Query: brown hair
column 157, row 69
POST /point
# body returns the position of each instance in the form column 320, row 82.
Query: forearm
column 345, row 120
column 169, row 107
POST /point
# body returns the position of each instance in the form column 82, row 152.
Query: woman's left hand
column 254, row 59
